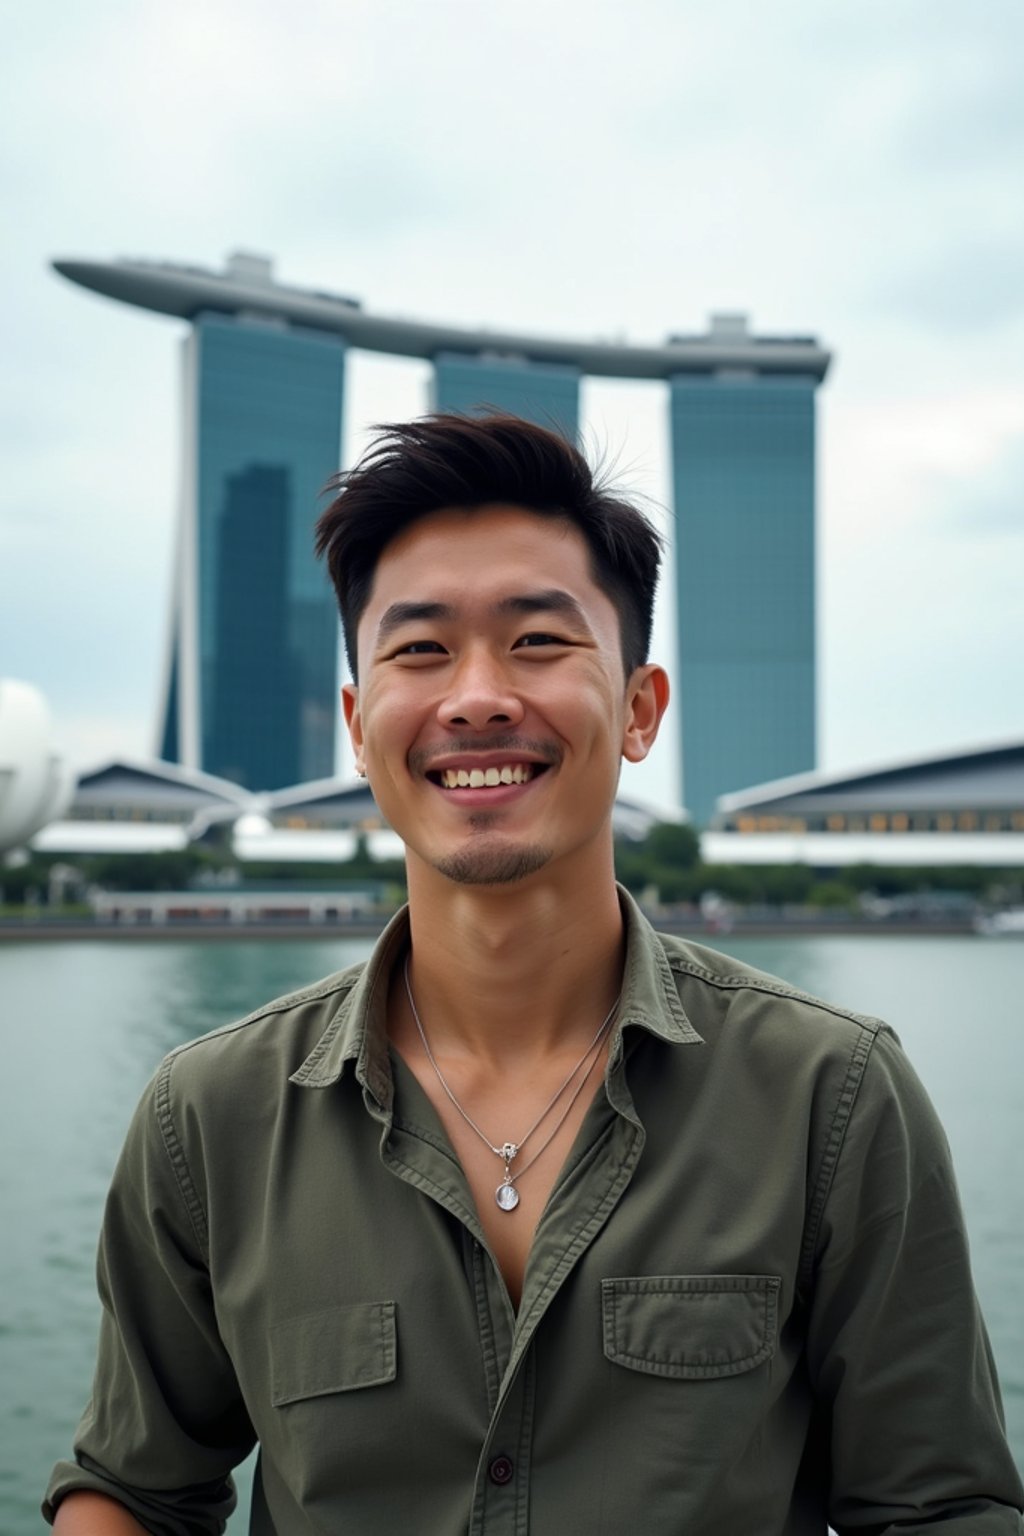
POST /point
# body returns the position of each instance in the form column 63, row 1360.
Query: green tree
column 673, row 844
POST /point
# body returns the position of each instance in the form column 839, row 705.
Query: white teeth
column 479, row 778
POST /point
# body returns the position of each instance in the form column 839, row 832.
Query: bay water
column 84, row 1024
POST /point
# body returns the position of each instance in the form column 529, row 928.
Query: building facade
column 952, row 808
column 546, row 393
column 252, row 676
column 743, row 449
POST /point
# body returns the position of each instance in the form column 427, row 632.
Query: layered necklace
column 506, row 1195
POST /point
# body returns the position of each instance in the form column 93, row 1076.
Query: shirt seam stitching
column 569, row 1255
column 178, row 1160
column 735, row 983
column 440, row 1192
column 841, row 1117
column 281, row 1005
column 767, row 1298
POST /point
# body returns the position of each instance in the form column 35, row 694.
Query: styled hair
column 442, row 461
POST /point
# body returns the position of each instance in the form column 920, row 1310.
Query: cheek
column 391, row 728
column 597, row 713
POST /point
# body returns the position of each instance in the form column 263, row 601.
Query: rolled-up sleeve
column 165, row 1423
column 898, row 1354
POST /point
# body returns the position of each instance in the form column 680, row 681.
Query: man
column 539, row 1222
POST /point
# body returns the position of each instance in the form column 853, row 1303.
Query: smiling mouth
column 487, row 778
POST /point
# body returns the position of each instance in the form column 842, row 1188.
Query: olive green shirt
column 748, row 1305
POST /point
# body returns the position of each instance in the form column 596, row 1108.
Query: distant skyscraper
column 546, row 393
column 252, row 680
column 743, row 460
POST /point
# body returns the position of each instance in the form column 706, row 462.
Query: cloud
column 989, row 506
column 973, row 285
column 91, row 737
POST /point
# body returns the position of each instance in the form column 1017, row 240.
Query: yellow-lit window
column 879, row 823
column 836, row 823
column 967, row 821
column 993, row 823
column 900, row 821
column 1017, row 821
column 797, row 824
column 945, row 822
column 747, row 823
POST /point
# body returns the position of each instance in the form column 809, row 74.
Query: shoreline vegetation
column 203, row 891
column 42, row 929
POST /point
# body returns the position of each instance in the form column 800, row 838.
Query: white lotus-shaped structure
column 36, row 782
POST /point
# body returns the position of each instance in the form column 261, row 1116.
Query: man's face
column 492, row 712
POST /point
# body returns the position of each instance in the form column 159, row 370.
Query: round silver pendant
column 507, row 1196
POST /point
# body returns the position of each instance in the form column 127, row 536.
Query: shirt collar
column 357, row 1032
column 650, row 995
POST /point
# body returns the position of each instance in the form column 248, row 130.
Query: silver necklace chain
column 506, row 1195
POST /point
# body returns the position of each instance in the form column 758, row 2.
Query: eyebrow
column 547, row 600
column 411, row 613
column 550, row 600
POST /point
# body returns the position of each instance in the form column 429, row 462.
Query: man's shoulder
column 717, row 987
column 278, row 1036
column 759, row 1028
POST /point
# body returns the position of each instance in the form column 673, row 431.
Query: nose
column 480, row 694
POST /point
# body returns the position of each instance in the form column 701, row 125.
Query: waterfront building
column 547, row 393
column 743, row 449
column 250, row 691
column 127, row 805
column 964, row 807
column 251, row 676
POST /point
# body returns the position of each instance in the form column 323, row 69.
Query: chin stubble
column 493, row 866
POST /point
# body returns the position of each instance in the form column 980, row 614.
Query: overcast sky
column 852, row 169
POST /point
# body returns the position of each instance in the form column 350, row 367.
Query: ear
column 646, row 701
column 354, row 721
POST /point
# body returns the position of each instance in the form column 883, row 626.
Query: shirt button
column 501, row 1470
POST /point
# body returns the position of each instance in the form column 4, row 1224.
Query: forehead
column 495, row 544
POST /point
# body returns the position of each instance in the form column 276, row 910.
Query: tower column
column 743, row 448
column 545, row 393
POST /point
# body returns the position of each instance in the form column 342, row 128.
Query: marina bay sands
column 250, row 683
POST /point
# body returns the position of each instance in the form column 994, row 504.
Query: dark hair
column 413, row 468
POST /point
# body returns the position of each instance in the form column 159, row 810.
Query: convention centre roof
column 976, row 778
column 954, row 808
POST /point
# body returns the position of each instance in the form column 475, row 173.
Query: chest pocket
column 340, row 1350
column 693, row 1327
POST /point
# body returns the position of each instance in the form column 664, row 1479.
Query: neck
column 505, row 973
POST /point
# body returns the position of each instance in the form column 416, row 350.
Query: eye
column 420, row 648
column 540, row 637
